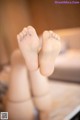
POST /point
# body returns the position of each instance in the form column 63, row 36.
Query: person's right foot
column 29, row 45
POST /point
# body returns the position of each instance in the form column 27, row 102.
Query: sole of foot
column 51, row 47
column 29, row 46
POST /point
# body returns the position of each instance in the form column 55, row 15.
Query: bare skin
column 39, row 61
column 51, row 46
column 41, row 94
column 19, row 102
column 29, row 45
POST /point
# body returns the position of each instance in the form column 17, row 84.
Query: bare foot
column 29, row 45
column 51, row 46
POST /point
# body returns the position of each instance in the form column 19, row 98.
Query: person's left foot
column 51, row 46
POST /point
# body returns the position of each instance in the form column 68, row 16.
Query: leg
column 44, row 115
column 39, row 84
column 41, row 94
column 19, row 103
column 47, row 55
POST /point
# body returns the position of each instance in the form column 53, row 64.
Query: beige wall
column 14, row 15
column 42, row 14
column 47, row 15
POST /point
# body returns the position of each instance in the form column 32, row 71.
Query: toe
column 54, row 35
column 21, row 34
column 45, row 35
column 19, row 37
column 31, row 30
column 24, row 31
